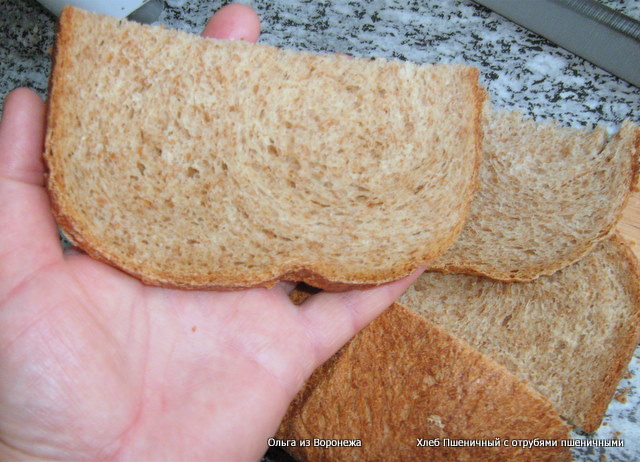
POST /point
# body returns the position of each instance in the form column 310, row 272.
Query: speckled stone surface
column 520, row 70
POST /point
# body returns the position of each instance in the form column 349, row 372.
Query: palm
column 96, row 349
column 63, row 365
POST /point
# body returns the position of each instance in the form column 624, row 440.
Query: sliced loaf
column 472, row 358
column 403, row 381
column 548, row 194
column 570, row 335
column 198, row 163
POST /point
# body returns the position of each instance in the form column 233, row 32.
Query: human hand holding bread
column 175, row 181
column 96, row 365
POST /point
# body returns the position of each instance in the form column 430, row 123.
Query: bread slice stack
column 463, row 357
column 204, row 164
column 565, row 338
column 200, row 163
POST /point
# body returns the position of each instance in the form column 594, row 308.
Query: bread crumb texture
column 402, row 379
column 548, row 194
column 571, row 335
column 198, row 163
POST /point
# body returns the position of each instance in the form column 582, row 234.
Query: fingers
column 331, row 319
column 234, row 22
column 22, row 137
column 30, row 237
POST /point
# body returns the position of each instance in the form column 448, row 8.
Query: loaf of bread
column 466, row 357
column 403, row 382
column 548, row 194
column 199, row 163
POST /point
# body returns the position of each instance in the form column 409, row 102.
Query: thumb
column 332, row 319
column 30, row 237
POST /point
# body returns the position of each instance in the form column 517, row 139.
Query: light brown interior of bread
column 570, row 335
column 204, row 162
column 547, row 195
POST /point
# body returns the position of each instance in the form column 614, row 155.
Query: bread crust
column 196, row 282
column 56, row 92
column 404, row 378
column 594, row 414
column 328, row 277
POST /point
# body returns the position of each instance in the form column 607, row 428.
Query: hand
column 95, row 365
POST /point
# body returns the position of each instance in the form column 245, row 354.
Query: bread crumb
column 436, row 420
column 194, row 328
column 621, row 395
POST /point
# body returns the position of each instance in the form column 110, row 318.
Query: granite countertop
column 521, row 71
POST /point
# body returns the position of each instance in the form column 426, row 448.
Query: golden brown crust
column 403, row 378
column 198, row 283
column 56, row 94
column 636, row 156
column 329, row 277
column 624, row 350
column 526, row 274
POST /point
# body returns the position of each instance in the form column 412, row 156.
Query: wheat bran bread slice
column 403, row 378
column 548, row 194
column 570, row 335
column 200, row 163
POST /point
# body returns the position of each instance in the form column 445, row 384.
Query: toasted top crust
column 402, row 379
column 198, row 163
column 571, row 335
column 548, row 194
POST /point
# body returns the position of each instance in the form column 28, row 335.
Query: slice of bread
column 403, row 380
column 548, row 194
column 198, row 163
column 469, row 358
column 570, row 335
